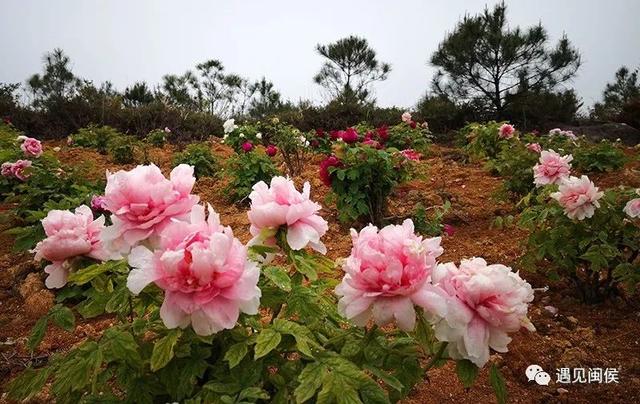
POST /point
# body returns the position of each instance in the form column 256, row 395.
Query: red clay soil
column 577, row 336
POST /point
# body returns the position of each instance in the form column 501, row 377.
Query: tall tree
column 485, row 59
column 57, row 83
column 266, row 99
column 616, row 95
column 137, row 95
column 350, row 69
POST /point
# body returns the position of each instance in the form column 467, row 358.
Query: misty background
column 124, row 41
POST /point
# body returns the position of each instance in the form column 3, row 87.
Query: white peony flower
column 259, row 135
column 229, row 125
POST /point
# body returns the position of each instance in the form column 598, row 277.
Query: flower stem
column 436, row 357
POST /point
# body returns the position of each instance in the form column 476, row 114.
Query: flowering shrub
column 585, row 236
column 482, row 141
column 246, row 169
column 552, row 168
column 32, row 148
column 515, row 165
column 199, row 156
column 432, row 225
column 211, row 329
column 292, row 144
column 599, row 157
column 235, row 136
column 362, row 180
column 157, row 137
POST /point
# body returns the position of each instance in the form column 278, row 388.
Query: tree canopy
column 351, row 67
column 618, row 94
column 485, row 59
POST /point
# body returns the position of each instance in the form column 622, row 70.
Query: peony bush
column 201, row 317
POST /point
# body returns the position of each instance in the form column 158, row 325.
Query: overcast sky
column 126, row 41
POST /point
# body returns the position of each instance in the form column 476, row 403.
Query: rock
column 610, row 131
column 38, row 304
column 562, row 391
column 552, row 310
column 572, row 319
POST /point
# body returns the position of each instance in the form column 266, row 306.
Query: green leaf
column 29, row 383
column 37, row 333
column 310, row 380
column 385, row 377
column 62, row 317
column 119, row 300
column 278, row 276
column 498, row 384
column 268, row 340
column 120, row 345
column 163, row 350
column 255, row 393
column 85, row 275
column 235, row 354
column 467, row 372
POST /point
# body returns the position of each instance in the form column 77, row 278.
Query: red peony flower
column 247, row 146
column 320, row 133
column 383, row 132
column 413, row 124
column 272, row 150
column 331, row 161
column 350, row 136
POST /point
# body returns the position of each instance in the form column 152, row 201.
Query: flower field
column 368, row 264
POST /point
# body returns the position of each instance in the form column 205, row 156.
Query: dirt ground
column 569, row 334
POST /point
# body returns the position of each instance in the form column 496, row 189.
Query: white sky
column 126, row 41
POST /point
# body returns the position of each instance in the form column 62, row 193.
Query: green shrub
column 598, row 157
column 596, row 254
column 364, row 180
column 430, row 225
column 157, row 137
column 122, row 149
column 514, row 163
column 200, row 157
column 95, row 137
column 245, row 170
column 482, row 141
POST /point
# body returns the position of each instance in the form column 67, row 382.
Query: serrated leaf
column 235, row 354
column 163, row 350
column 310, row 380
column 279, row 277
column 62, row 317
column 268, row 340
column 85, row 275
column 119, row 300
column 385, row 377
column 467, row 372
column 255, row 393
column 29, row 383
column 37, row 333
column 120, row 345
column 498, row 384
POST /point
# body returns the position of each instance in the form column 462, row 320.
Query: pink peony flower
column 142, row 201
column 386, row 274
column 411, row 154
column 325, row 176
column 482, row 303
column 551, row 168
column 413, row 125
column 578, row 196
column 98, row 203
column 271, row 150
column 280, row 204
column 6, row 169
column 534, row 147
column 425, row 125
column 31, row 147
column 247, row 146
column 167, row 130
column 335, row 134
column 449, row 230
column 350, row 136
column 19, row 169
column 204, row 272
column 69, row 235
column 560, row 132
column 406, row 117
column 632, row 208
column 506, row 131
